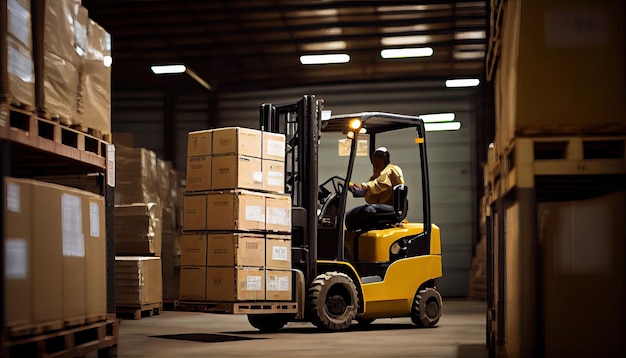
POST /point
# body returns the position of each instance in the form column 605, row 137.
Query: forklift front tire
column 427, row 308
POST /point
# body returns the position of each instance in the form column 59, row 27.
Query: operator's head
column 381, row 154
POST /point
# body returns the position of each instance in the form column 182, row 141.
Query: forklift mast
column 301, row 125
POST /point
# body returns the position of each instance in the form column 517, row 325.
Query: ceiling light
column 167, row 69
column 324, row 59
column 469, row 35
column 108, row 61
column 468, row 55
column 405, row 40
column 466, row 82
column 437, row 117
column 326, row 114
column 446, row 126
column 325, row 46
column 406, row 52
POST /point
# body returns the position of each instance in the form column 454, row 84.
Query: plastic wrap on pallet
column 60, row 61
column 138, row 229
column 138, row 281
column 94, row 93
column 20, row 83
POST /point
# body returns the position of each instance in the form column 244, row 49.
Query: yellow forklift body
column 374, row 245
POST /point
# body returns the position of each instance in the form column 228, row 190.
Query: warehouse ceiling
column 256, row 44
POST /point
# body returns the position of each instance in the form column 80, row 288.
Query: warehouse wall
column 451, row 154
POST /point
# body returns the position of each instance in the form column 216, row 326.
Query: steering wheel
column 328, row 200
column 333, row 185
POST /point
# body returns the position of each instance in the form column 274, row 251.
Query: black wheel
column 268, row 322
column 364, row 322
column 427, row 308
column 332, row 301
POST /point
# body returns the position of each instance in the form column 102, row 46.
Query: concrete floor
column 460, row 333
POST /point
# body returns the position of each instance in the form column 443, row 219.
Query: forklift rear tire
column 268, row 322
column 427, row 308
column 332, row 301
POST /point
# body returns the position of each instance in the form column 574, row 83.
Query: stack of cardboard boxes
column 138, row 229
column 236, row 243
column 148, row 219
column 55, row 250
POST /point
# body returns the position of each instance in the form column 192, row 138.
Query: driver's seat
column 387, row 215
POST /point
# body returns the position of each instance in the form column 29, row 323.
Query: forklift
column 386, row 270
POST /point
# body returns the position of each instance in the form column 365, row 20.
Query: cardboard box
column 278, row 213
column 278, row 285
column 235, row 210
column 193, row 250
column 236, row 172
column 235, row 249
column 235, row 284
column 274, row 146
column 138, row 229
column 193, row 283
column 199, row 143
column 18, row 246
column 57, row 233
column 557, row 76
column 237, row 140
column 274, row 176
column 278, row 252
column 195, row 212
column 94, row 227
column 17, row 77
column 138, row 280
column 199, row 173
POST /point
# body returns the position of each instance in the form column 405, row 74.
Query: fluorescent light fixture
column 437, row 117
column 469, row 35
column 167, row 69
column 466, row 82
column 108, row 61
column 446, row 126
column 406, row 52
column 324, row 59
column 326, row 113
column 325, row 46
column 405, row 40
column 468, row 55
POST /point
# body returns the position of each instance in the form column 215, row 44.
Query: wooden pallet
column 34, row 329
column 25, row 127
column 137, row 312
column 239, row 307
column 79, row 341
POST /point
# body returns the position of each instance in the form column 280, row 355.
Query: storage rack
column 31, row 146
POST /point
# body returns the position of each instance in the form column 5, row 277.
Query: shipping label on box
column 193, row 250
column 236, row 172
column 235, row 284
column 274, row 176
column 193, row 283
column 274, row 146
column 199, row 143
column 236, row 210
column 278, row 285
column 278, row 252
column 199, row 173
column 195, row 212
column 236, row 249
column 237, row 140
column 278, row 213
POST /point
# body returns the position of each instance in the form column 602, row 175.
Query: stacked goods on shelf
column 55, row 246
column 17, row 77
column 236, row 243
column 138, row 285
column 145, row 216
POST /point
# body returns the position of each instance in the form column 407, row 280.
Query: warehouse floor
column 461, row 333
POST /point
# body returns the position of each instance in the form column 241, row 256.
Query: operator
column 377, row 191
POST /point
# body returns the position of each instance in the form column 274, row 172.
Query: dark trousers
column 364, row 217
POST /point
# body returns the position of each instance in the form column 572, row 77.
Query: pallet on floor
column 239, row 307
column 170, row 305
column 101, row 337
column 137, row 312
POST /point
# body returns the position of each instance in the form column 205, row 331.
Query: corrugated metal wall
column 452, row 155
